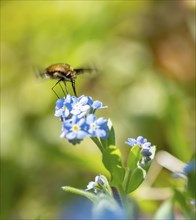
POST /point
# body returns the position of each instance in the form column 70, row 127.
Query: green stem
column 122, row 195
column 126, row 180
column 98, row 143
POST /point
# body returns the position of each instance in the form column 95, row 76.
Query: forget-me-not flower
column 97, row 105
column 96, row 127
column 100, row 185
column 145, row 147
column 190, row 167
column 63, row 107
column 73, row 129
column 80, row 106
column 139, row 141
column 78, row 117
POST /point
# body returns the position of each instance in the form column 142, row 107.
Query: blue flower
column 189, row 167
column 139, row 141
column 97, row 105
column 80, row 105
column 145, row 147
column 100, row 185
column 71, row 105
column 73, row 130
column 63, row 107
column 93, row 184
column 78, row 117
column 96, row 127
column 59, row 107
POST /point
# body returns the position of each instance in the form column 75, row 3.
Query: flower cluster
column 78, row 118
column 144, row 144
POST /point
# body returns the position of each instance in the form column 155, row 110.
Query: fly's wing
column 38, row 72
column 87, row 69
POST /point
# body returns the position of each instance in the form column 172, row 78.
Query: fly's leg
column 55, row 86
column 62, row 88
column 73, row 86
column 65, row 87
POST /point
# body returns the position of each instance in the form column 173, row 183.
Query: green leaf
column 136, row 179
column 136, row 171
column 181, row 198
column 134, row 158
column 97, row 142
column 80, row 192
column 111, row 136
column 191, row 178
column 191, row 183
column 112, row 162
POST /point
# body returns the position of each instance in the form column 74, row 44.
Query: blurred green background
column 145, row 56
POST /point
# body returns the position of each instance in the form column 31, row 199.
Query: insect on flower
column 63, row 73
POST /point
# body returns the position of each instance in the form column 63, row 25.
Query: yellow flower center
column 75, row 128
column 76, row 105
column 93, row 126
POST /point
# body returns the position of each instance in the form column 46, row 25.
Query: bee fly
column 63, row 73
